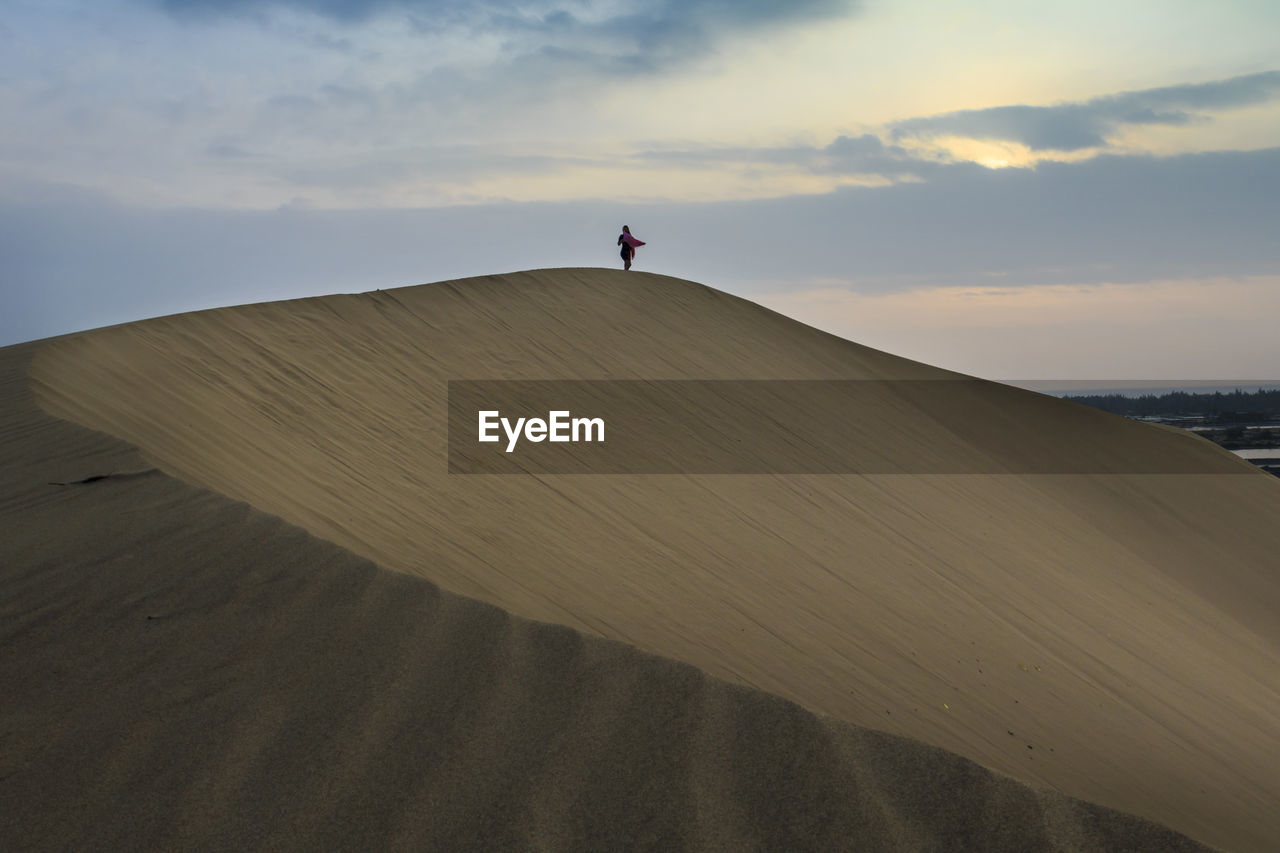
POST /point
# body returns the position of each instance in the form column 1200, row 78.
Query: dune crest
column 1112, row 636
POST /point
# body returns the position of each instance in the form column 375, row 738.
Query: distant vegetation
column 1234, row 407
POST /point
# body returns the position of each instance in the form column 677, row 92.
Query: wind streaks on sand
column 1108, row 635
column 183, row 671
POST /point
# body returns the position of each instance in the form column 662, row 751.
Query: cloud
column 227, row 151
column 610, row 37
column 1158, row 328
column 1063, row 128
column 401, row 166
column 1090, row 124
column 1107, row 219
column 340, row 10
column 866, row 154
column 727, row 12
column 73, row 260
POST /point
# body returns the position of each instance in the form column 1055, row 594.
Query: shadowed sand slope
column 182, row 671
column 1110, row 635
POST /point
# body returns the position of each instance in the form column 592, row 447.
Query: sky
column 1013, row 190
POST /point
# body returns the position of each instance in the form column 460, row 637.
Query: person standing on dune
column 629, row 245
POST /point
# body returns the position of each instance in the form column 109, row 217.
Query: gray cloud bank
column 849, row 155
column 618, row 38
column 1063, row 127
column 551, row 12
column 72, row 260
column 1089, row 124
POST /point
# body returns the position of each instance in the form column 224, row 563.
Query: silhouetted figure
column 629, row 245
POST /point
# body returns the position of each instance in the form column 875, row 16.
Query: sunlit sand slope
column 182, row 671
column 1113, row 636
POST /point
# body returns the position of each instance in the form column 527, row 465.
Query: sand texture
column 1110, row 635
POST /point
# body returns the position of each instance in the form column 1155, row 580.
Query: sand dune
column 1111, row 635
column 185, row 672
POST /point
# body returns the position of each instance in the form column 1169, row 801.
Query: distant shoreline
column 1237, row 415
column 1139, row 387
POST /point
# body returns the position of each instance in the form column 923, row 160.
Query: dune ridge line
column 1109, row 636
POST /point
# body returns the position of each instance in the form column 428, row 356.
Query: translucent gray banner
column 802, row 427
